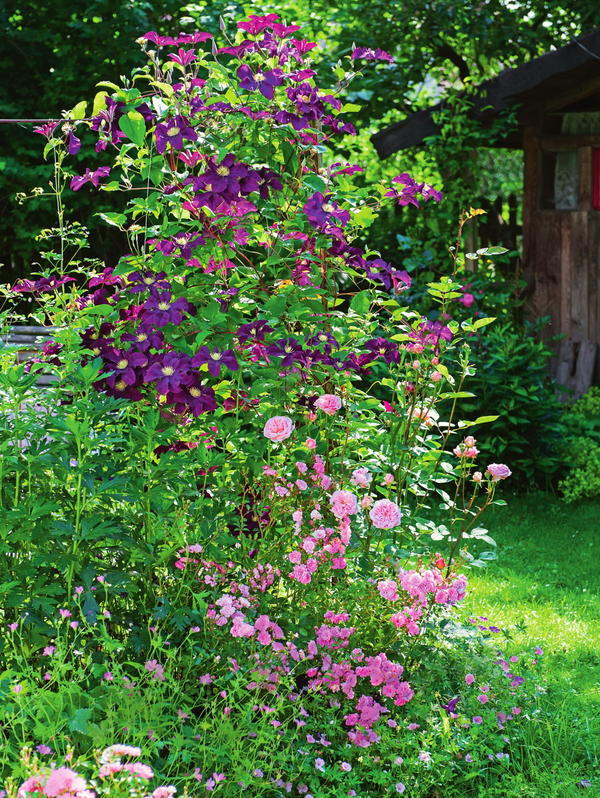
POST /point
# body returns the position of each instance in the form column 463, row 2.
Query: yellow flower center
column 208, row 187
column 120, row 385
column 195, row 392
column 259, row 77
column 223, row 171
column 328, row 207
column 216, row 355
column 122, row 364
column 96, row 351
column 142, row 337
column 168, row 370
column 148, row 280
column 173, row 131
column 163, row 306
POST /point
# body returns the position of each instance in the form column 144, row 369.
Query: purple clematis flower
column 321, row 212
column 410, row 191
column 255, row 24
column 264, row 82
column 161, row 311
column 74, row 144
column 381, row 347
column 215, row 360
column 173, row 132
column 366, row 54
column 147, row 281
column 183, row 57
column 40, row 286
column 450, row 707
column 196, row 398
column 89, row 177
column 123, row 362
column 171, row 371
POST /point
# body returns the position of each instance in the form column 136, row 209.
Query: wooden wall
column 561, row 254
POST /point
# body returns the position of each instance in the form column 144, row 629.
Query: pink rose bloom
column 63, row 780
column 385, row 514
column 388, row 479
column 477, row 476
column 436, row 376
column 467, row 300
column 329, row 403
column 498, row 471
column 366, row 501
column 388, row 589
column 164, row 792
column 343, row 503
column 310, row 443
column 278, row 428
column 32, row 785
column 361, row 477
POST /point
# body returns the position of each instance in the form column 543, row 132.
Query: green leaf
column 134, row 127
column 79, row 721
column 78, row 111
column 485, row 419
column 114, row 219
column 361, row 302
column 483, row 322
column 99, row 102
column 315, row 182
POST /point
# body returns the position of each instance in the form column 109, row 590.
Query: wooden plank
column 584, row 373
column 554, row 143
column 584, row 166
column 565, row 281
column 578, row 280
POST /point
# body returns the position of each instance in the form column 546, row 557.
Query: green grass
column 547, row 576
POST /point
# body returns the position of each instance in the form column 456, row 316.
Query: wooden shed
column 557, row 103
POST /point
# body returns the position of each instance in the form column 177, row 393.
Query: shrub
column 582, row 448
column 512, row 381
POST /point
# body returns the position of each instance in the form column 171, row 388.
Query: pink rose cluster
column 345, row 677
column 231, row 609
column 329, row 403
column 278, row 428
column 423, row 588
column 63, row 782
column 467, row 448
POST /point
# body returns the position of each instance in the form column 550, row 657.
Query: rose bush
column 227, row 499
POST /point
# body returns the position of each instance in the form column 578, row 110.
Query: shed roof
column 561, row 78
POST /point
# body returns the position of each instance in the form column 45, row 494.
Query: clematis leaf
column 134, row 127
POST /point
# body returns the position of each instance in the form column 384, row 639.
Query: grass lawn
column 547, row 576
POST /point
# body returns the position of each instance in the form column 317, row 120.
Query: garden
column 290, row 504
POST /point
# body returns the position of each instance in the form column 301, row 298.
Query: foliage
column 65, row 50
column 512, row 382
column 225, row 502
column 582, row 448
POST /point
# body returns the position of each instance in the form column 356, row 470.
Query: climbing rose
column 498, row 471
column 278, row 428
column 329, row 403
column 385, row 514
